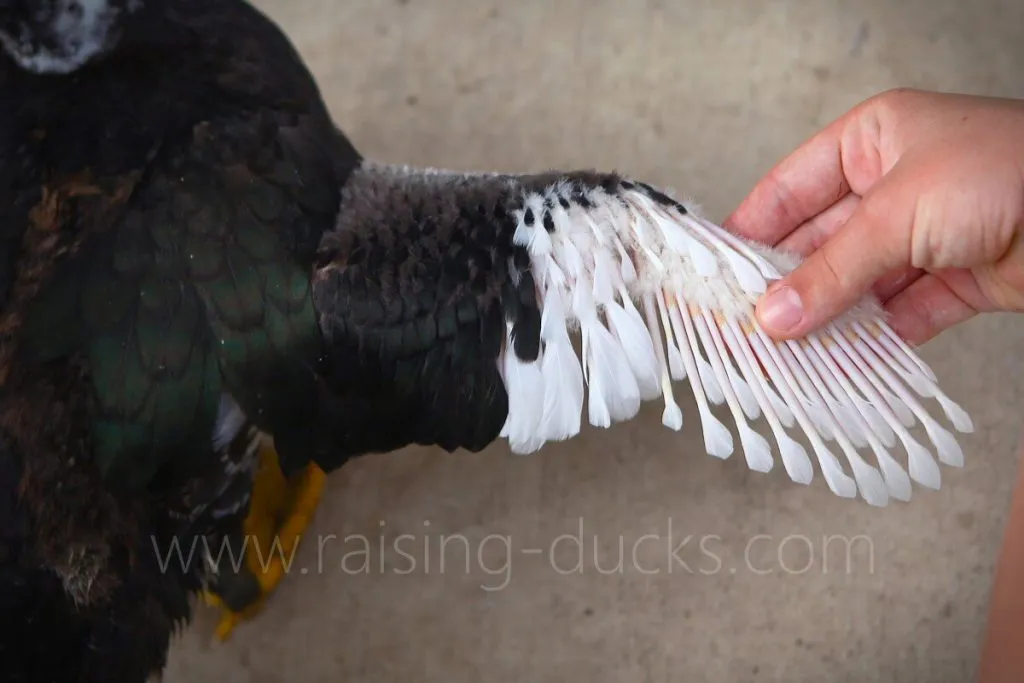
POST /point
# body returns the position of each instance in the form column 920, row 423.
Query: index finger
column 805, row 183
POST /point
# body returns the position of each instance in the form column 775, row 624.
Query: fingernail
column 781, row 310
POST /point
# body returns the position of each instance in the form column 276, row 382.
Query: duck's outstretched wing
column 449, row 302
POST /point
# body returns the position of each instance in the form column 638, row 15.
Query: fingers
column 802, row 185
column 926, row 308
column 874, row 242
column 818, row 229
column 893, row 283
column 815, row 232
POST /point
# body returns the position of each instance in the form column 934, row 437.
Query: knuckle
column 896, row 98
column 786, row 202
column 889, row 109
column 832, row 271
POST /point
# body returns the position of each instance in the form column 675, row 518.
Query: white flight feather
column 524, row 383
column 563, row 388
column 661, row 295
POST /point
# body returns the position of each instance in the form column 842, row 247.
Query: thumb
column 873, row 242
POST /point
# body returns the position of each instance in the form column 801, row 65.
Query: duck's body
column 160, row 208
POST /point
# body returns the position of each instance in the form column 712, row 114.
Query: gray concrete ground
column 703, row 96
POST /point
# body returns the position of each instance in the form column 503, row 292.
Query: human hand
column 916, row 196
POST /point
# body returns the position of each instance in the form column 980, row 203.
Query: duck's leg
column 279, row 512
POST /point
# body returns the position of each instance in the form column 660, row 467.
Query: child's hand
column 918, row 196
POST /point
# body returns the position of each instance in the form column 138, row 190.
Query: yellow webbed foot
column 279, row 512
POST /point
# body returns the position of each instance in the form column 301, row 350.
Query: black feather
column 160, row 213
column 428, row 373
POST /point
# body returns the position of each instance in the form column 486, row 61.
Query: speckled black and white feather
column 450, row 301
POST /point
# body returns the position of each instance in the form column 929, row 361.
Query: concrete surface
column 703, row 96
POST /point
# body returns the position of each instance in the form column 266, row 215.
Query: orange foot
column 279, row 512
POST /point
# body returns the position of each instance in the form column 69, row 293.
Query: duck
column 210, row 301
column 167, row 170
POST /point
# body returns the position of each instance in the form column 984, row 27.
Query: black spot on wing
column 521, row 307
column 549, row 223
